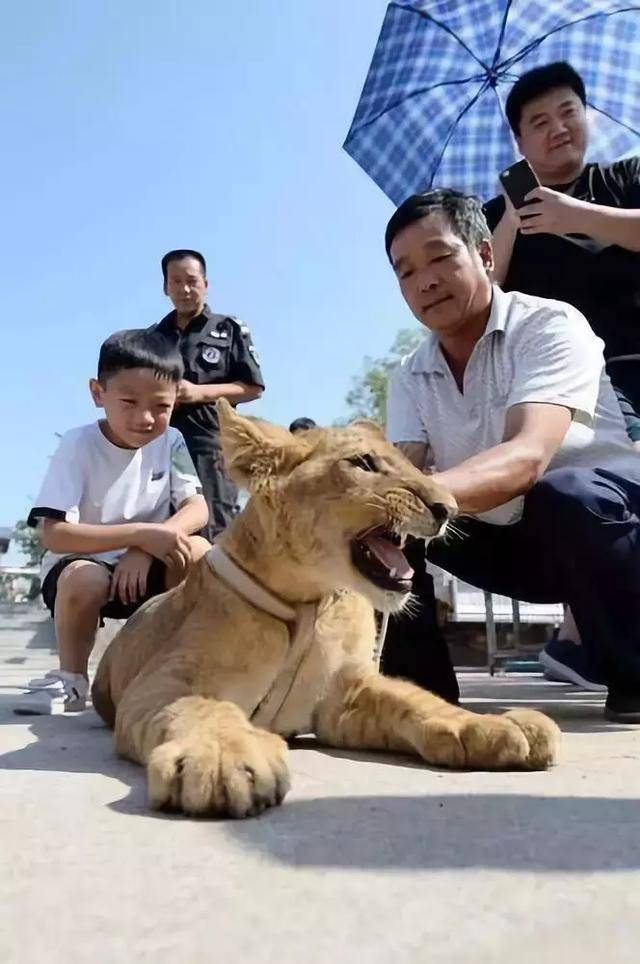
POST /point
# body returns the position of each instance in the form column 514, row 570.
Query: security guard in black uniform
column 220, row 361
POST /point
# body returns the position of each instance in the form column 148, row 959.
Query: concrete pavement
column 371, row 858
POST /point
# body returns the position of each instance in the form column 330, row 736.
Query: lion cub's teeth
column 403, row 540
column 393, row 573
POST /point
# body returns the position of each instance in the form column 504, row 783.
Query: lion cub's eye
column 365, row 462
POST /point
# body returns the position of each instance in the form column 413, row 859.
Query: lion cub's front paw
column 517, row 740
column 233, row 775
column 543, row 737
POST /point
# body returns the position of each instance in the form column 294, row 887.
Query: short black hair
column 179, row 255
column 540, row 81
column 302, row 424
column 140, row 348
column 463, row 212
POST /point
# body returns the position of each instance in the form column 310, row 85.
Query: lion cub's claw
column 235, row 776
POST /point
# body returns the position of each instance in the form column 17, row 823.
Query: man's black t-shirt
column 602, row 281
column 216, row 349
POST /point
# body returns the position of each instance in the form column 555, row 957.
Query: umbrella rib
column 408, row 97
column 614, row 119
column 451, row 130
column 500, row 107
column 503, row 27
column 563, row 26
column 443, row 26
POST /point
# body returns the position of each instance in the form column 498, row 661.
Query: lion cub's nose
column 440, row 511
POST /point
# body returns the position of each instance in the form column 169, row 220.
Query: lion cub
column 273, row 632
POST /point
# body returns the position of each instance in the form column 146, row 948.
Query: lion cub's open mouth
column 377, row 555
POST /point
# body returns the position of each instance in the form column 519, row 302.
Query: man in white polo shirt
column 508, row 403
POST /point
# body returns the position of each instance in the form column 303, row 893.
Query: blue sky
column 130, row 129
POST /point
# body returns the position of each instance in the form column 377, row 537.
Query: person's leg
column 220, row 493
column 75, row 592
column 487, row 556
column 498, row 559
column 414, row 645
column 568, row 629
column 578, row 542
column 625, row 378
column 82, row 591
column 596, row 514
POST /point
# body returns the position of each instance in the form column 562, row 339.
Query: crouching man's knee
column 574, row 497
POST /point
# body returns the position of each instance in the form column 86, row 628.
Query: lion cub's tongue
column 390, row 556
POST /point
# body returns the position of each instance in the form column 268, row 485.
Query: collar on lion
column 247, row 587
column 302, row 616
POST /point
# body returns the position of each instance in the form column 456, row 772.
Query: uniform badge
column 252, row 349
column 211, row 355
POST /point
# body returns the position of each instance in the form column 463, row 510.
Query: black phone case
column 517, row 181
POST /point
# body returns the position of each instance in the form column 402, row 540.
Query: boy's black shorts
column 115, row 609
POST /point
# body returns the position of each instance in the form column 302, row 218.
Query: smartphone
column 517, row 181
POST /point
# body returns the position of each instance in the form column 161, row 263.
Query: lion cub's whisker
column 454, row 533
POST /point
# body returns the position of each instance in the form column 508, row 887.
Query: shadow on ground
column 434, row 830
column 453, row 831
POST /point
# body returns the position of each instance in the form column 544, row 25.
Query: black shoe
column 565, row 662
column 623, row 707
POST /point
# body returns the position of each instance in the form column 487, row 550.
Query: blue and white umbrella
column 432, row 108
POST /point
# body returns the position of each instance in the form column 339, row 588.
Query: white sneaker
column 56, row 692
column 40, row 681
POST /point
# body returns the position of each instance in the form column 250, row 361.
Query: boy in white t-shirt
column 117, row 508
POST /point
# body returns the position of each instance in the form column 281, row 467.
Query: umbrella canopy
column 432, row 109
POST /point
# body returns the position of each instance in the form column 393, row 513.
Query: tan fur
column 183, row 678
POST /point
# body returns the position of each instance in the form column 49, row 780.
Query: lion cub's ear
column 256, row 452
column 373, row 428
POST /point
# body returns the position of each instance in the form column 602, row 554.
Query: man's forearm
column 192, row 516
column 63, row 537
column 233, row 391
column 492, row 477
column 619, row 226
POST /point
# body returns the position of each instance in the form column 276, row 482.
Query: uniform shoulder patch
column 244, row 329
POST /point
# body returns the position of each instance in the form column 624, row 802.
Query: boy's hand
column 129, row 580
column 171, row 547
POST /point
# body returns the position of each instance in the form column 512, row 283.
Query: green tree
column 29, row 542
column 367, row 397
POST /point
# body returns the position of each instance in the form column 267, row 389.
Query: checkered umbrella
column 432, row 109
